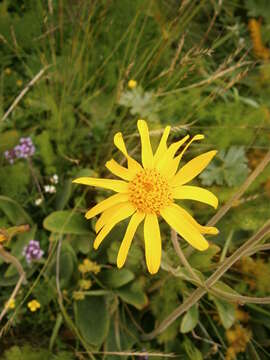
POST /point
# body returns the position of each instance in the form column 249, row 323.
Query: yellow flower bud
column 33, row 305
column 132, row 84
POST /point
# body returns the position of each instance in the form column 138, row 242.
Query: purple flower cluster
column 32, row 251
column 23, row 150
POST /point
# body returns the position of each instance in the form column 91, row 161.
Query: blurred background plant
column 73, row 73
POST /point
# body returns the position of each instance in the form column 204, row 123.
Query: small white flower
column 54, row 179
column 50, row 189
column 38, row 201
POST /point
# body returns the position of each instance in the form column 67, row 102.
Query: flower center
column 149, row 191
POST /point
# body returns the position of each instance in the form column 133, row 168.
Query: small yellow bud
column 33, row 305
column 8, row 71
column 89, row 266
column 10, row 304
column 85, row 284
column 132, row 84
column 19, row 83
column 78, row 295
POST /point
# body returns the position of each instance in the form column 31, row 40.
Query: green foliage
column 258, row 8
column 66, row 222
column 163, row 303
column 114, row 278
column 92, row 319
column 190, row 319
column 133, row 294
column 13, row 211
column 141, row 104
column 226, row 312
column 46, row 151
column 27, row 352
column 14, row 180
column 230, row 168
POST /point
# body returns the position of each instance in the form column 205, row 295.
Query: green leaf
column 190, row 319
column 202, row 260
column 121, row 337
column 115, row 278
column 227, row 168
column 93, row 319
column 82, row 243
column 68, row 262
column 14, row 211
column 63, row 195
column 225, row 310
column 192, row 352
column 66, row 222
column 133, row 294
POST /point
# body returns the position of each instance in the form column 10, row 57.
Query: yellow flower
column 10, row 304
column 33, row 305
column 85, row 284
column 89, row 266
column 78, row 295
column 238, row 337
column 132, row 84
column 148, row 191
column 19, row 83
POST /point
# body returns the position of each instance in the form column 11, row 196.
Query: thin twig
column 183, row 259
column 131, row 353
column 24, row 91
column 13, row 295
column 35, row 178
column 57, row 275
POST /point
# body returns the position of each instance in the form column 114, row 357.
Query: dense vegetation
column 199, row 66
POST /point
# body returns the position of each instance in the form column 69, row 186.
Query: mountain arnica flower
column 148, row 191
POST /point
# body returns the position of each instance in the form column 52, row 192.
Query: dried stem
column 7, row 257
column 23, row 92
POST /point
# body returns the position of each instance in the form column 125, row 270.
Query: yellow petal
column 119, row 143
column 193, row 168
column 162, row 146
column 210, row 230
column 135, row 220
column 152, row 243
column 173, row 168
column 115, row 185
column 106, row 204
column 113, row 212
column 195, row 193
column 122, row 213
column 119, row 170
column 168, row 156
column 133, row 165
column 147, row 154
column 185, row 228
